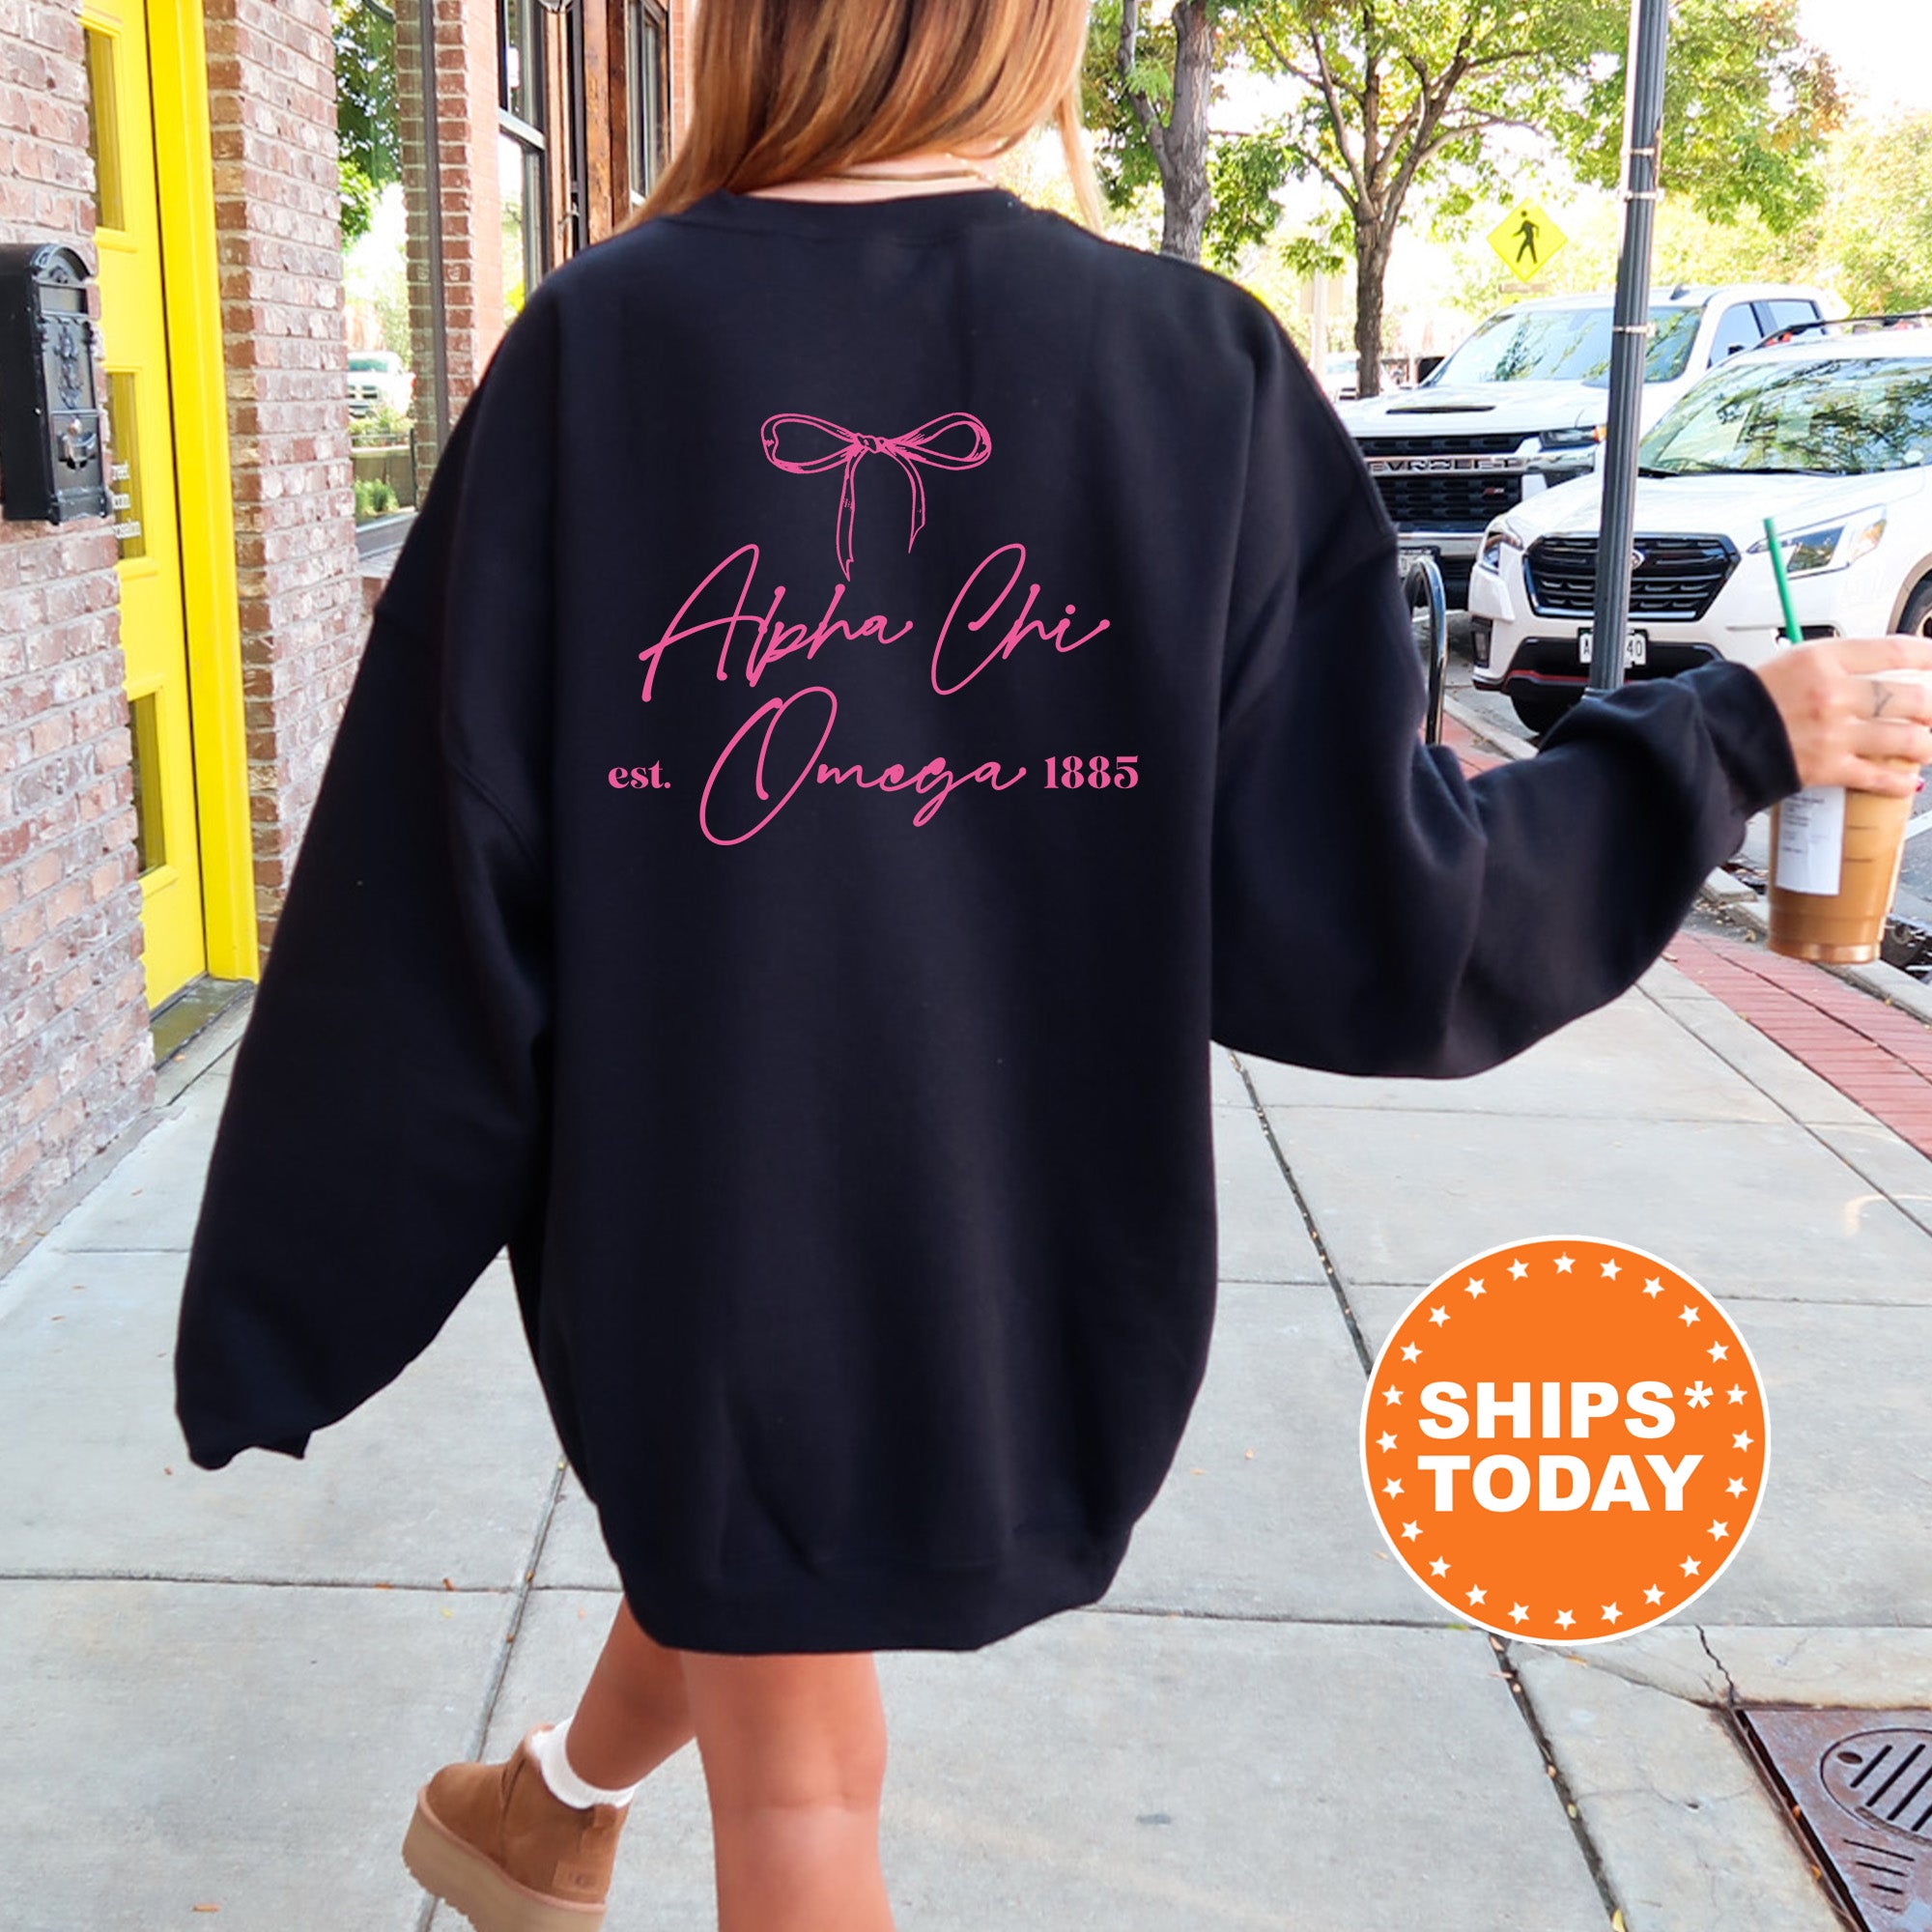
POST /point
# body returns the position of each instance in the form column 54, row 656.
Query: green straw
column 1793, row 629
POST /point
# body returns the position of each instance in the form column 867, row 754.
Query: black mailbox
column 50, row 457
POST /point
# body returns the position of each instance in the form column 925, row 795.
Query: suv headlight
column 1495, row 542
column 1830, row 547
column 1586, row 437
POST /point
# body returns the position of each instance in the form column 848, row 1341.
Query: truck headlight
column 1571, row 438
column 1830, row 547
column 1494, row 543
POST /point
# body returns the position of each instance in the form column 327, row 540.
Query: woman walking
column 881, row 676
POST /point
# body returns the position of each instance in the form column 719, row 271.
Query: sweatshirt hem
column 859, row 1608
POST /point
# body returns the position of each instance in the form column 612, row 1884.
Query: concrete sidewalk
column 224, row 1689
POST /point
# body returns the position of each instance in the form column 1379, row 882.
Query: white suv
column 1521, row 407
column 1829, row 433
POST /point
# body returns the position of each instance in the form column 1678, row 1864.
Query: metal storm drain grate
column 1861, row 1785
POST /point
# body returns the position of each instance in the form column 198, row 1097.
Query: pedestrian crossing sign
column 1527, row 238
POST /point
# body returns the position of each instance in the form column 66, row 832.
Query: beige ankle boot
column 495, row 1842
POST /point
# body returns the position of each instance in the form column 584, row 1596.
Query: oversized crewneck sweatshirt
column 873, row 690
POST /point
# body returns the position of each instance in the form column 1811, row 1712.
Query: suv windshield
column 1567, row 345
column 1839, row 416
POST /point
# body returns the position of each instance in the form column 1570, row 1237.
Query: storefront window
column 522, row 150
column 646, row 93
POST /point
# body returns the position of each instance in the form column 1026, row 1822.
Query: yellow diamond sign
column 1527, row 238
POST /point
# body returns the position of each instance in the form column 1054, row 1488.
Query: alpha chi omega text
column 1564, row 1440
column 740, row 772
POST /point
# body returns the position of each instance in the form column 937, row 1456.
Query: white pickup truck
column 1521, row 406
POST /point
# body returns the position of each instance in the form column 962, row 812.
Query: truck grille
column 1677, row 580
column 1449, row 503
column 1446, row 482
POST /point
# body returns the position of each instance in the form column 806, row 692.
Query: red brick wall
column 271, row 103
column 76, row 1065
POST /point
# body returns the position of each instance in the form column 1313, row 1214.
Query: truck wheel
column 1538, row 710
column 1918, row 620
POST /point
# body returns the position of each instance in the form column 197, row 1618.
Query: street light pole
column 1630, row 339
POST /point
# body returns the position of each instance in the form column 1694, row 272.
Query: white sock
column 547, row 1747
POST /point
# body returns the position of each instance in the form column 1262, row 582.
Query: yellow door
column 154, row 637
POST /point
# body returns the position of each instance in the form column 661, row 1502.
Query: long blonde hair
column 783, row 90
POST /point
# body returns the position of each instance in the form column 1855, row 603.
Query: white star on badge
column 1653, row 1595
column 1653, row 1287
column 1564, row 1619
column 1697, row 1395
column 1410, row 1531
column 1564, row 1264
column 1718, row 1352
column 1690, row 1316
column 1385, row 1440
column 1741, row 1441
column 1735, row 1393
column 1438, row 1316
column 1517, row 1270
column 1611, row 1613
column 1476, row 1593
column 1472, row 1286
column 1690, row 1566
column 1391, row 1394
column 1612, row 1270
column 1410, row 1352
column 1736, row 1486
column 1518, row 1612
column 1719, row 1530
column 1393, row 1487
column 1438, row 1568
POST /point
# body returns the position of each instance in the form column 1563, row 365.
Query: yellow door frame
column 184, row 171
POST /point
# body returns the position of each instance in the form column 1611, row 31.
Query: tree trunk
column 1185, row 197
column 1373, row 242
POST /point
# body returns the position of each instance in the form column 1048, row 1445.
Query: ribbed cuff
column 1748, row 731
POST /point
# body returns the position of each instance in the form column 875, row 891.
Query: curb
column 1729, row 897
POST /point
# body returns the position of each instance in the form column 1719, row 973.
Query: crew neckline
column 937, row 212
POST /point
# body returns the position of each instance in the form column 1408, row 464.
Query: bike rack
column 1423, row 587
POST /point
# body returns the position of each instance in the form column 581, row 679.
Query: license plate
column 1406, row 561
column 1635, row 645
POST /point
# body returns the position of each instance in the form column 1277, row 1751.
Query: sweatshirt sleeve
column 381, row 1135
column 1374, row 910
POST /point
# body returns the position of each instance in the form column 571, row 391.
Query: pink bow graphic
column 912, row 448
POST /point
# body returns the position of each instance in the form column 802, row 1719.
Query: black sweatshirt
column 873, row 688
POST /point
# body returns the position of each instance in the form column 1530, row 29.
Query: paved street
column 226, row 1686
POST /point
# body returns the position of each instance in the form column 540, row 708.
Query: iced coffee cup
column 1835, row 862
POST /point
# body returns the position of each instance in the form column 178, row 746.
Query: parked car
column 1521, row 407
column 378, row 380
column 1831, row 434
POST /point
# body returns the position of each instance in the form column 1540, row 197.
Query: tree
column 365, row 108
column 1135, row 68
column 1395, row 94
column 1874, row 240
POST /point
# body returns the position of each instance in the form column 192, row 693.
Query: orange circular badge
column 1563, row 1440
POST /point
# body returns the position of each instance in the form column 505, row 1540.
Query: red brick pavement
column 1872, row 1053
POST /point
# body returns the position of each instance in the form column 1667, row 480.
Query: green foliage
column 378, row 426
column 1748, row 105
column 1123, row 163
column 1874, row 238
column 373, row 497
column 366, row 121
column 1244, row 173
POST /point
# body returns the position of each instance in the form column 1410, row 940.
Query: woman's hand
column 1842, row 721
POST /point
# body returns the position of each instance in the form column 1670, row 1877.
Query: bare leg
column 794, row 1752
column 632, row 1714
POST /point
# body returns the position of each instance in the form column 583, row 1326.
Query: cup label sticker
column 1810, row 852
